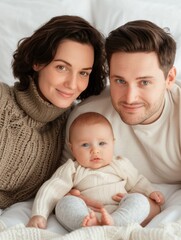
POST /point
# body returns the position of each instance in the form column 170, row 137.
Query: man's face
column 138, row 86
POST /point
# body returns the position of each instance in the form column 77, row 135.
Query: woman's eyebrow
column 61, row 60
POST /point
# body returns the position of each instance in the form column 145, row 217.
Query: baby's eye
column 102, row 143
column 85, row 145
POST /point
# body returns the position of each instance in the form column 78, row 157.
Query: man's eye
column 145, row 82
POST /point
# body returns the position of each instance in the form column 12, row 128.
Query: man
column 144, row 107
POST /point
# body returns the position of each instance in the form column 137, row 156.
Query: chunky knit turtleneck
column 31, row 133
column 35, row 106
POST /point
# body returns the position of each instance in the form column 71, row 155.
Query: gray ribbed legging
column 133, row 208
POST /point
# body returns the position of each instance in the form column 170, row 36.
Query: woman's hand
column 157, row 197
column 93, row 204
column 118, row 197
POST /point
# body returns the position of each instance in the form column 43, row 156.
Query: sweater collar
column 34, row 106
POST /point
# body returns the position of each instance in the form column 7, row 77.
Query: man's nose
column 131, row 94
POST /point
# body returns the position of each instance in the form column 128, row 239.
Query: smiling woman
column 67, row 76
column 62, row 61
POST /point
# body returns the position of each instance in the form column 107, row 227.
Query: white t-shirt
column 154, row 149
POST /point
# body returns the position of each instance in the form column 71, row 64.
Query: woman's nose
column 71, row 81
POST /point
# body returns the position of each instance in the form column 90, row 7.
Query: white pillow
column 165, row 13
column 19, row 18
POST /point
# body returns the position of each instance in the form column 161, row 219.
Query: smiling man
column 143, row 104
column 138, row 86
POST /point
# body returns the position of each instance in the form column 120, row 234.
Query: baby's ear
column 70, row 146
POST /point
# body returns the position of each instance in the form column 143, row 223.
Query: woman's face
column 67, row 76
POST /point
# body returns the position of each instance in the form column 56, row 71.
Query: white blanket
column 169, row 231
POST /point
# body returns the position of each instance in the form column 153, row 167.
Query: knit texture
column 98, row 184
column 32, row 139
column 169, row 231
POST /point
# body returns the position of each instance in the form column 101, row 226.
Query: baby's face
column 92, row 145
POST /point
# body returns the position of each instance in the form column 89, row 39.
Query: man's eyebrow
column 116, row 76
column 138, row 78
column 144, row 77
column 61, row 60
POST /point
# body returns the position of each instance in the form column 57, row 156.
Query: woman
column 61, row 62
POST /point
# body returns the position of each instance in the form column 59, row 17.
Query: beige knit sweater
column 31, row 140
column 98, row 184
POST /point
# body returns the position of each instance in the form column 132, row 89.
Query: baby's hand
column 37, row 222
column 157, row 197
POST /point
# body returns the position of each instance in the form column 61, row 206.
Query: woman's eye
column 120, row 81
column 85, row 74
column 62, row 68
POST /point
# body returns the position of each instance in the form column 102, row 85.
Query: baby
column 99, row 175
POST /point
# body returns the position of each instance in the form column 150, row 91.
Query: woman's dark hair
column 143, row 36
column 41, row 47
